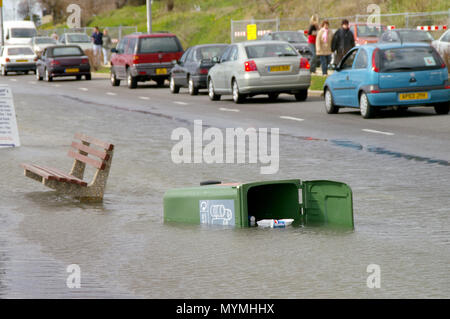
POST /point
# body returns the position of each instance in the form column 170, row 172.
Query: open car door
column 327, row 203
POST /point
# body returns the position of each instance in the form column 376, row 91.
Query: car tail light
column 203, row 71
column 304, row 64
column 374, row 91
column 84, row 61
column 250, row 66
column 374, row 60
column 135, row 59
column 447, row 86
column 55, row 62
column 8, row 60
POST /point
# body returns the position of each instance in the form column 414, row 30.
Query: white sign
column 9, row 134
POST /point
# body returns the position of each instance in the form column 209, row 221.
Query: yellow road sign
column 252, row 32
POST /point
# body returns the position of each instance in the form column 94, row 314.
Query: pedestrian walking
column 343, row 41
column 107, row 45
column 97, row 39
column 323, row 45
column 312, row 35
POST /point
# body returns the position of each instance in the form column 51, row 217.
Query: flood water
column 124, row 249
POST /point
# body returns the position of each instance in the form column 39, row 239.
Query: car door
column 359, row 74
column 229, row 67
column 342, row 86
column 187, row 68
column 218, row 71
column 128, row 56
column 178, row 70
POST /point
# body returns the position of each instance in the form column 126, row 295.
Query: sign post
column 2, row 41
column 9, row 134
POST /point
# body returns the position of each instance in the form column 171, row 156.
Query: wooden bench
column 73, row 183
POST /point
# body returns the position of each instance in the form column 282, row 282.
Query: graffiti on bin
column 217, row 212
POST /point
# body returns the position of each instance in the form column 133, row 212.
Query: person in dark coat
column 343, row 41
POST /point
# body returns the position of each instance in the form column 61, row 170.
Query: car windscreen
column 159, row 45
column 270, row 50
column 291, row 37
column 409, row 59
column 415, row 36
column 23, row 32
column 369, row 31
column 78, row 38
column 44, row 41
column 67, row 51
column 207, row 53
column 20, row 51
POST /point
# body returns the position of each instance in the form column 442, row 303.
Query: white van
column 19, row 32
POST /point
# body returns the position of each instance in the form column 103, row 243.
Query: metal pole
column 1, row 18
column 149, row 16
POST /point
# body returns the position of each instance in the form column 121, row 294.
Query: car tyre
column 193, row 90
column 174, row 89
column 330, row 107
column 160, row 82
column 273, row 96
column 48, row 77
column 114, row 80
column 367, row 110
column 442, row 108
column 88, row 77
column 211, row 93
column 4, row 72
column 131, row 80
column 301, row 96
column 38, row 75
column 78, row 77
column 237, row 96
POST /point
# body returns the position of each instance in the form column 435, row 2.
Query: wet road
column 396, row 164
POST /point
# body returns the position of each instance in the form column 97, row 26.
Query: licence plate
column 21, row 60
column 161, row 71
column 72, row 70
column 279, row 68
column 413, row 96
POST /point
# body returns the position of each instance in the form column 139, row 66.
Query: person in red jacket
column 312, row 34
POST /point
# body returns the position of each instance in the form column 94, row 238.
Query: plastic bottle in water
column 252, row 221
column 274, row 223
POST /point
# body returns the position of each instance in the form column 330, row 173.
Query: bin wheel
column 210, row 183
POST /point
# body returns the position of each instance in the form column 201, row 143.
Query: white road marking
column 144, row 98
column 291, row 118
column 56, row 85
column 83, row 89
column 32, row 82
column 111, row 93
column 229, row 110
column 180, row 103
column 377, row 132
column 13, row 80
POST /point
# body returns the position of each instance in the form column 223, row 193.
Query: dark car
column 191, row 70
column 406, row 36
column 59, row 61
column 144, row 57
column 297, row 39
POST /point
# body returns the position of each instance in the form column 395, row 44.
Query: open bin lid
column 327, row 203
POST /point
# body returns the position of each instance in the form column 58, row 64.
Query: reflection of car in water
column 220, row 214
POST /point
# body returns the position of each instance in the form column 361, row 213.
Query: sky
column 9, row 7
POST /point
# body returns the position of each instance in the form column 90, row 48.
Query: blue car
column 375, row 76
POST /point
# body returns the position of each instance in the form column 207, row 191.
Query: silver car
column 39, row 44
column 259, row 67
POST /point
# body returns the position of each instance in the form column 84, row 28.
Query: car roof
column 245, row 43
column 152, row 35
column 396, row 45
column 210, row 45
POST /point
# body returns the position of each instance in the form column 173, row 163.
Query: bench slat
column 81, row 147
column 39, row 172
column 87, row 160
column 92, row 140
column 69, row 178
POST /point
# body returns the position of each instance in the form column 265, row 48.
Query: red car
column 144, row 57
column 366, row 33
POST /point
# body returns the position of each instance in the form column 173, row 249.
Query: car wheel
column 367, row 110
column 174, row 89
column 78, row 77
column 4, row 72
column 237, row 96
column 48, row 77
column 301, row 96
column 88, row 77
column 114, row 80
column 191, row 86
column 442, row 108
column 212, row 94
column 330, row 107
column 131, row 80
column 273, row 96
column 38, row 75
column 26, row 72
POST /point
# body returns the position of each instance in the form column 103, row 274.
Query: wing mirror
column 216, row 59
column 174, row 62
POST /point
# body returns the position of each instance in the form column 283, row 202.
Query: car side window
column 121, row 45
column 446, row 38
column 347, row 63
column 184, row 56
column 361, row 59
column 225, row 55
column 234, row 54
column 130, row 48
